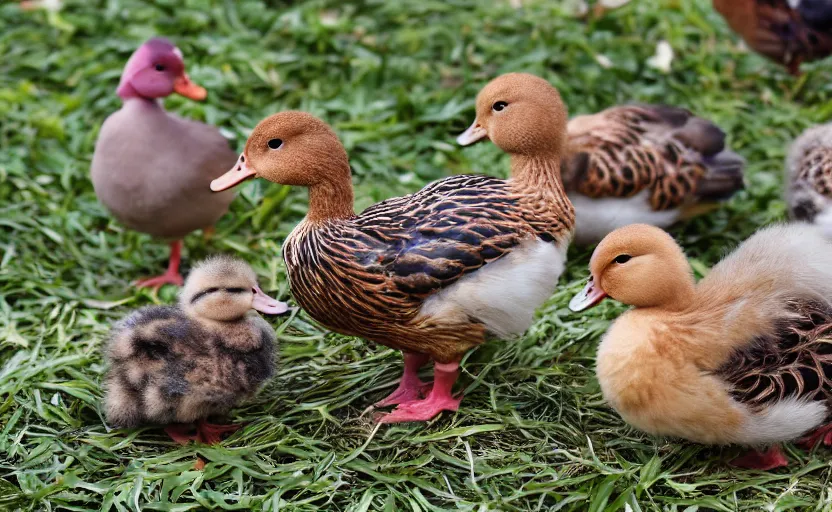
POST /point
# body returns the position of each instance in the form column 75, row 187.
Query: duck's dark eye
column 275, row 143
column 499, row 106
column 160, row 67
column 235, row 290
column 622, row 258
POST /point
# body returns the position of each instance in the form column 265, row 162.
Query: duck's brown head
column 522, row 114
column 297, row 148
column 223, row 288
column 639, row 265
column 157, row 70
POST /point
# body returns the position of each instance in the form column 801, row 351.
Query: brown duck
column 433, row 272
column 744, row 356
column 651, row 164
column 151, row 169
column 788, row 32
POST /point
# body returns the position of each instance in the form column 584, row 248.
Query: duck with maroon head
column 151, row 169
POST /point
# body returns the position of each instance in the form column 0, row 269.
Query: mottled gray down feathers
column 168, row 367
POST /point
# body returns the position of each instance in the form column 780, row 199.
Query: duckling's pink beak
column 267, row 305
column 238, row 174
column 588, row 297
column 474, row 133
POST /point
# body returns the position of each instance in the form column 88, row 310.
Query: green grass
column 397, row 80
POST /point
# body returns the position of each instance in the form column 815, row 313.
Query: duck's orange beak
column 238, row 174
column 183, row 85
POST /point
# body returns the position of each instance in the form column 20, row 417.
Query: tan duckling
column 175, row 365
column 809, row 177
column 433, row 272
column 744, row 356
column 650, row 164
column 788, row 32
column 151, row 169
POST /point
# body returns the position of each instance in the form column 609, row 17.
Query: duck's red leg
column 764, row 461
column 171, row 275
column 822, row 435
column 439, row 399
column 181, row 433
column 211, row 433
column 411, row 386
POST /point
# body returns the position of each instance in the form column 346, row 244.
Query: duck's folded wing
column 628, row 149
column 795, row 361
column 427, row 241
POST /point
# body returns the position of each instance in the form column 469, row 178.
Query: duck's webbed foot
column 211, row 433
column 181, row 433
column 823, row 435
column 411, row 387
column 204, row 432
column 439, row 399
column 764, row 461
column 171, row 275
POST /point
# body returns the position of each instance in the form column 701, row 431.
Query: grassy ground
column 397, row 80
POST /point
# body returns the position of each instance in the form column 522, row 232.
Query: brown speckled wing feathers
column 816, row 170
column 795, row 362
column 624, row 150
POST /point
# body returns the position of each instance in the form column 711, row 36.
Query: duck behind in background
column 809, row 177
column 650, row 164
column 788, row 32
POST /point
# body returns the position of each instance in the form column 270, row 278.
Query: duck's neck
column 330, row 201
column 153, row 103
column 540, row 173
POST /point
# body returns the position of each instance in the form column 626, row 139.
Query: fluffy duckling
column 809, row 175
column 788, row 32
column 151, row 169
column 174, row 365
column 432, row 272
column 744, row 356
column 650, row 164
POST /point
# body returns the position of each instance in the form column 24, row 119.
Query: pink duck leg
column 212, row 433
column 764, row 461
column 206, row 433
column 439, row 399
column 821, row 435
column 411, row 386
column 171, row 275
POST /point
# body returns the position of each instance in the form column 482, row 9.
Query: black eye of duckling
column 499, row 106
column 160, row 67
column 275, row 143
column 203, row 293
column 622, row 258
column 235, row 290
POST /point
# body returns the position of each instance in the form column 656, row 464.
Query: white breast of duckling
column 504, row 294
column 595, row 218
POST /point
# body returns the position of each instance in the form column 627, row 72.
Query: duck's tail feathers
column 724, row 177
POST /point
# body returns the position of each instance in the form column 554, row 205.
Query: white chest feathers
column 596, row 218
column 504, row 294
